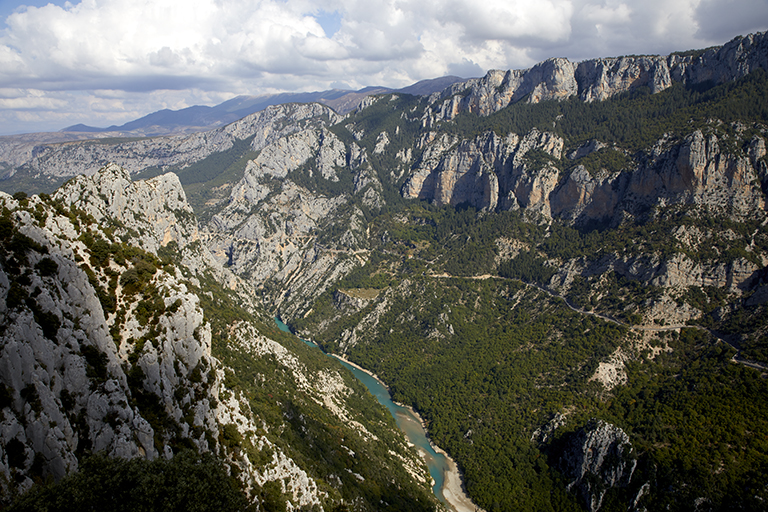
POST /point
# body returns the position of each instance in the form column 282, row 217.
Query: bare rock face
column 497, row 173
column 599, row 79
column 583, row 196
column 348, row 303
column 87, row 157
column 78, row 360
column 598, row 457
column 602, row 78
column 270, row 227
column 488, row 172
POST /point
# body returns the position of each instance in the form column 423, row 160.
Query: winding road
column 736, row 358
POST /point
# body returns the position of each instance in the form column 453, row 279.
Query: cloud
column 516, row 21
column 725, row 19
column 213, row 49
column 330, row 21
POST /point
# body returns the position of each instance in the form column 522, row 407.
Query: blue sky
column 7, row 7
column 103, row 62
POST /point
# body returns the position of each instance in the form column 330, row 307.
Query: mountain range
column 561, row 269
column 200, row 118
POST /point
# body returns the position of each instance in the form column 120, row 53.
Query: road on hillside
column 648, row 328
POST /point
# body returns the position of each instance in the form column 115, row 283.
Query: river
column 447, row 486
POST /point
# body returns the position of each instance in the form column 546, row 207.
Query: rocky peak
column 599, row 79
column 159, row 203
column 179, row 151
column 597, row 457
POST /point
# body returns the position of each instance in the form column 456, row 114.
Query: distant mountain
column 198, row 118
column 563, row 269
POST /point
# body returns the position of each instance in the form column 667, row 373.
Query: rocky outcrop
column 495, row 173
column 597, row 457
column 599, row 79
column 74, row 382
column 553, row 79
column 348, row 303
column 488, row 172
column 87, row 157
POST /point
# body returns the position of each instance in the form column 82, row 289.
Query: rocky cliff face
column 599, row 79
column 86, row 157
column 275, row 228
column 488, row 172
column 598, row 457
column 81, row 365
column 104, row 345
column 493, row 173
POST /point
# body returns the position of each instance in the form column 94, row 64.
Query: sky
column 105, row 62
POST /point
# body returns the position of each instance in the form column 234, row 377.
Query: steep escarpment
column 491, row 173
column 121, row 336
column 277, row 225
column 562, row 269
column 600, row 79
column 55, row 161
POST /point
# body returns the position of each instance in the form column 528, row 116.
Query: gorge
column 561, row 269
column 446, row 480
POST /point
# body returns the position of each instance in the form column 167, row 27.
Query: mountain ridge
column 538, row 273
column 200, row 118
column 111, row 342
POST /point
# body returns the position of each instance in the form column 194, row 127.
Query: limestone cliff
column 598, row 457
column 106, row 346
column 599, row 79
column 493, row 173
column 488, row 172
column 273, row 225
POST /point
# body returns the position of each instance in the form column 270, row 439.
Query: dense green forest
column 488, row 361
column 189, row 482
column 633, row 120
column 493, row 324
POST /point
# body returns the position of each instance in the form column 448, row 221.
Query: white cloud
column 151, row 53
column 723, row 19
column 514, row 21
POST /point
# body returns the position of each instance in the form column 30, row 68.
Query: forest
column 493, row 325
column 486, row 362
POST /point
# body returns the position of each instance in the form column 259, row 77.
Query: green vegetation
column 526, row 266
column 311, row 435
column 634, row 120
column 31, row 182
column 606, row 158
column 484, row 362
column 397, row 115
column 698, row 420
column 211, row 179
column 309, row 176
column 487, row 361
column 188, row 482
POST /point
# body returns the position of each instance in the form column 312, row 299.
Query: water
column 406, row 420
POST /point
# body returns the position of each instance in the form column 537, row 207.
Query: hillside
column 122, row 336
column 562, row 269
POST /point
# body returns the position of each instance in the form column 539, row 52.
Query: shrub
column 187, row 482
column 47, row 267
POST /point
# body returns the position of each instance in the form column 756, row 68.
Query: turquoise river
column 408, row 422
